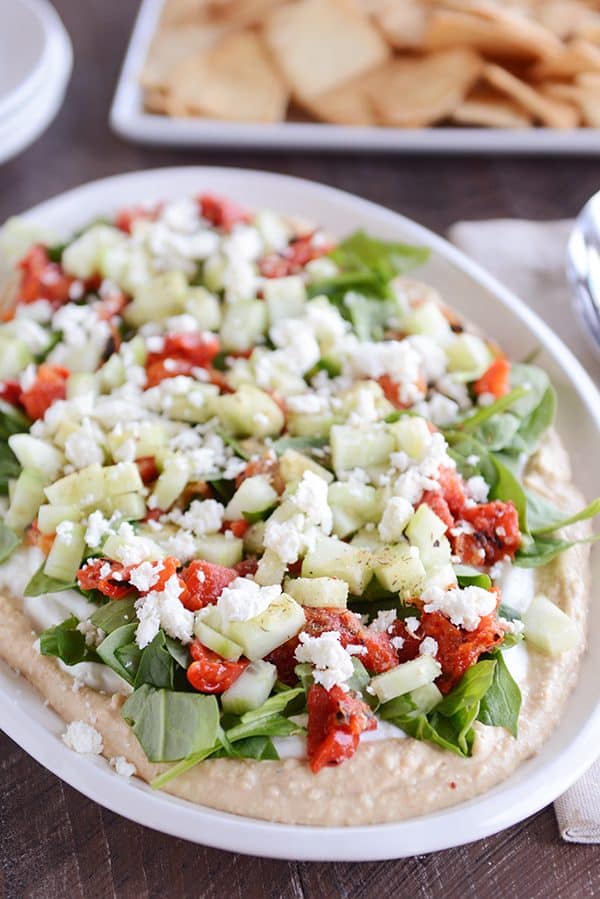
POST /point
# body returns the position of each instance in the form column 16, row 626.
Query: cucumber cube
column 81, row 257
column 14, row 357
column 130, row 506
column 254, row 537
column 49, row 517
column 399, row 569
column 204, row 306
column 243, row 325
column 405, row 678
column 216, row 641
column 26, row 498
column 333, row 558
column 82, row 383
column 250, row 412
column 318, row 592
column 157, row 298
column 293, row 464
column 67, row 552
column 412, row 436
column 259, row 636
column 196, row 405
column 84, row 487
column 368, row 539
column 548, row 628
column 255, row 494
column 171, row 482
column 361, row 447
column 444, row 577
column 426, row 531
column 220, row 549
column 251, row 689
column 470, row 355
column 303, row 424
column 270, row 569
column 285, row 297
column 426, row 697
column 124, row 477
column 352, row 506
column 32, row 452
column 428, row 319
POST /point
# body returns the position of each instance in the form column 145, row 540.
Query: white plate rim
column 129, row 120
column 457, row 825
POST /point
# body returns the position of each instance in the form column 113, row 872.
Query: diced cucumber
column 134, row 351
column 196, row 405
column 82, row 383
column 259, row 636
column 412, row 436
column 32, row 452
column 426, row 531
column 405, row 678
column 254, row 494
column 321, row 269
column 360, row 447
column 156, row 299
column 428, row 319
column 26, row 498
column 249, row 412
column 216, row 641
column 399, row 569
column 548, row 628
column 220, row 549
column 285, row 297
column 293, row 464
column 365, row 392
column 470, row 355
column 213, row 272
column 270, row 569
column 14, row 357
column 80, row 359
column 254, row 537
column 243, row 325
column 204, row 306
column 426, row 697
column 251, row 689
column 302, row 424
column 333, row 558
column 444, row 577
column 368, row 539
column 84, row 487
column 171, row 482
column 81, row 257
column 273, row 229
column 67, row 551
column 352, row 506
column 130, row 506
column 64, row 431
column 318, row 592
column 50, row 516
column 113, row 373
column 124, row 477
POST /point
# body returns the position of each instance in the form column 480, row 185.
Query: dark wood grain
column 55, row 843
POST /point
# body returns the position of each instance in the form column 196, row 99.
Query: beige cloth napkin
column 529, row 257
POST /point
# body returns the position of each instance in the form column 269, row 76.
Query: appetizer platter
column 422, row 74
column 289, row 533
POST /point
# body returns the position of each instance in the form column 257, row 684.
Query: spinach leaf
column 66, row 643
column 508, row 489
column 8, row 541
column 483, row 414
column 535, row 424
column 336, row 287
column 171, row 726
column 501, row 704
column 262, row 515
column 40, row 583
column 258, row 748
column 9, row 467
column 178, row 652
column 385, row 259
column 107, row 650
column 545, row 518
column 234, row 444
column 12, row 421
column 541, row 550
column 274, row 705
column 156, row 665
column 535, row 381
column 301, row 444
column 471, row 577
column 114, row 614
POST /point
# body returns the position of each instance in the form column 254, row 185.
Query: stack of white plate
column 35, row 63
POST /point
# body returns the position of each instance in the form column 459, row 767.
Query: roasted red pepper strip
column 209, row 672
column 336, row 719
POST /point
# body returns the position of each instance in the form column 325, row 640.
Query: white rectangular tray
column 129, row 119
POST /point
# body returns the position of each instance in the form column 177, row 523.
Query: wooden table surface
column 54, row 842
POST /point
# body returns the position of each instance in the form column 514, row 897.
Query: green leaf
column 361, row 678
column 40, row 583
column 129, row 656
column 301, row 444
column 253, row 517
column 171, row 726
column 272, row 726
column 178, row 652
column 545, row 518
column 117, row 639
column 8, row 541
column 337, row 286
column 114, row 614
column 234, row 444
column 386, row 259
column 156, row 665
column 542, row 550
column 9, row 467
column 461, row 707
column 54, row 338
column 274, row 705
column 12, row 421
column 532, row 428
column 483, row 414
column 501, row 704
column 508, row 489
column 66, row 643
column 536, row 382
column 258, row 748
column 471, row 577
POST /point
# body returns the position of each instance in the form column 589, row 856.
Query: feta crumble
column 332, row 663
column 464, row 607
column 83, row 738
column 244, row 599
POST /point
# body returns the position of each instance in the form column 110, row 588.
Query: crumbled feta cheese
column 135, row 548
column 244, row 599
column 97, row 527
column 182, row 545
column 431, row 356
column 428, row 647
column 464, row 607
column 144, row 576
column 83, row 446
column 202, row 517
column 307, row 403
column 384, row 621
column 296, row 338
column 311, row 498
column 332, row 663
column 412, row 624
column 82, row 737
column 93, row 635
column 396, row 515
column 64, row 530
column 477, row 489
column 438, row 409
column 163, row 608
column 122, row 767
column 287, row 539
column 398, row 359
